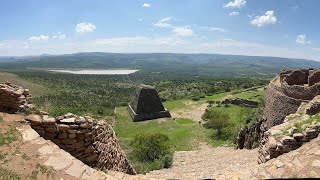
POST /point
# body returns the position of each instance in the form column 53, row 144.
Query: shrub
column 149, row 147
column 216, row 119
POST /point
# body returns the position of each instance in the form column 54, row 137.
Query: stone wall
column 241, row 102
column 278, row 105
column 285, row 138
column 90, row 141
column 14, row 98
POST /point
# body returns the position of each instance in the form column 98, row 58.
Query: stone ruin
column 14, row 98
column 90, row 141
column 241, row 102
column 292, row 92
column 286, row 93
column 146, row 105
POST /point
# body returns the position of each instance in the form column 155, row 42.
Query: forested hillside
column 197, row 64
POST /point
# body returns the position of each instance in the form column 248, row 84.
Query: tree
column 216, row 119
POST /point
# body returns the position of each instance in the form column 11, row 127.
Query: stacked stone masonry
column 273, row 145
column 286, row 93
column 241, row 102
column 14, row 98
column 90, row 141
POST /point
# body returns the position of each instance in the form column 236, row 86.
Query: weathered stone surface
column 298, row 136
column 68, row 141
column 28, row 134
column 58, row 162
column 63, row 127
column 48, row 120
column 80, row 143
column 14, row 98
column 146, row 105
column 76, row 169
column 68, row 120
column 34, row 119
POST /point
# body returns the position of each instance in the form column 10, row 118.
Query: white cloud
column 263, row 20
column 302, row 39
column 59, row 36
column 215, row 29
column 85, row 27
column 235, row 4
column 146, row 5
column 234, row 13
column 182, row 31
column 139, row 40
column 39, row 38
column 163, row 22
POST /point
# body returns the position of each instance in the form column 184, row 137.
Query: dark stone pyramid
column 146, row 105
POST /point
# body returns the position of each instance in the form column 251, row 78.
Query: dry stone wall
column 85, row 138
column 14, row 98
column 286, row 137
column 241, row 102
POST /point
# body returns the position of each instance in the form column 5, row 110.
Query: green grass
column 215, row 97
column 175, row 105
column 44, row 170
column 238, row 117
column 8, row 136
column 251, row 95
column 1, row 119
column 184, row 134
column 8, row 174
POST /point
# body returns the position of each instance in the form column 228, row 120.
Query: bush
column 216, row 119
column 150, row 147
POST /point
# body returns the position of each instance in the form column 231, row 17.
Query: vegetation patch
column 8, row 136
column 8, row 174
column 152, row 149
column 44, row 170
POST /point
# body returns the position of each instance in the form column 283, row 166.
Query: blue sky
column 284, row 28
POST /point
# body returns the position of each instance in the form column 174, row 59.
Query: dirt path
column 194, row 112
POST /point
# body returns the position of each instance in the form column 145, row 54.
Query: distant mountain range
column 202, row 64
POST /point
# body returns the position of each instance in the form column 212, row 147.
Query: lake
column 99, row 72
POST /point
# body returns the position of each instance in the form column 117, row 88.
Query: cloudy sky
column 286, row 28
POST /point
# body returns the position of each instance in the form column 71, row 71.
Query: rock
column 63, row 127
column 272, row 143
column 81, row 120
column 68, row 120
column 72, row 131
column 43, row 113
column 77, row 145
column 316, row 163
column 48, row 120
column 76, row 169
column 72, row 136
column 34, row 119
column 91, row 158
column 68, row 141
column 298, row 136
column 69, row 115
column 89, row 149
column 63, row 135
column 286, row 140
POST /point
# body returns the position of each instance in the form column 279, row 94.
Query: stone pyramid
column 146, row 105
